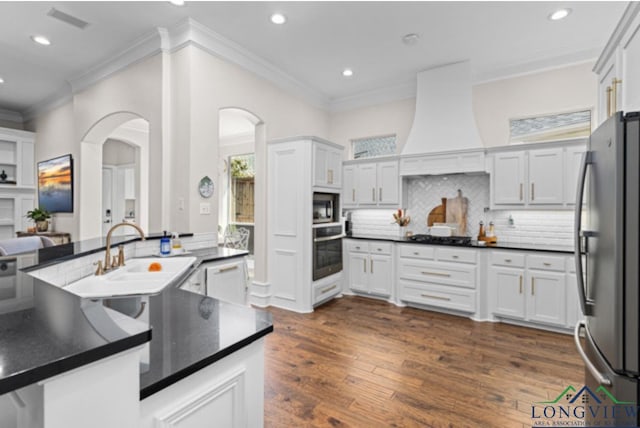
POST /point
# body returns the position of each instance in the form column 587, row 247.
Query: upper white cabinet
column 536, row 178
column 618, row 67
column 327, row 165
column 17, row 158
column 371, row 184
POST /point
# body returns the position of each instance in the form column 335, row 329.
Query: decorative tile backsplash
column 424, row 193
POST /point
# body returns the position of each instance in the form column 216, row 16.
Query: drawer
column 456, row 274
column 380, row 247
column 358, row 246
column 416, row 251
column 507, row 258
column 438, row 295
column 456, row 255
column 546, row 263
column 324, row 291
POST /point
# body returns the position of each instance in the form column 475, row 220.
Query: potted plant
column 40, row 217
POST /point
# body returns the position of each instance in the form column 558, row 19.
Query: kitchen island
column 68, row 361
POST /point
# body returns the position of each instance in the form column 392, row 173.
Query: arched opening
column 119, row 142
column 241, row 178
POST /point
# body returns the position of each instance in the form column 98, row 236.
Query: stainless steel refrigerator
column 607, row 266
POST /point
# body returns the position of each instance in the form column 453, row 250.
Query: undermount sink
column 133, row 279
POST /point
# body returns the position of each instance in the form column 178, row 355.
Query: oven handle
column 329, row 238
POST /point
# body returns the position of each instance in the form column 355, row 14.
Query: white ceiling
column 317, row 42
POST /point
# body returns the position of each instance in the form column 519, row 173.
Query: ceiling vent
column 66, row 18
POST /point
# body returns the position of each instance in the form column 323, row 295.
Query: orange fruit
column 155, row 267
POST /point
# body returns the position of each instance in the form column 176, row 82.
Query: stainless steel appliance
column 325, row 207
column 607, row 268
column 327, row 251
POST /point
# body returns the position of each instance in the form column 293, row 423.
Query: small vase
column 42, row 226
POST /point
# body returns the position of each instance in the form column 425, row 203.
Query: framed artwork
column 55, row 184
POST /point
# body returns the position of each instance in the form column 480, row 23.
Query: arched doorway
column 128, row 128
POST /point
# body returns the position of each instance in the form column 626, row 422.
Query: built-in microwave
column 326, row 207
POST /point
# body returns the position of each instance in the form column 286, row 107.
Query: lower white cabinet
column 537, row 288
column 227, row 280
column 444, row 277
column 370, row 267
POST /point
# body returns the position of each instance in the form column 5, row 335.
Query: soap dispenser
column 165, row 245
column 176, row 245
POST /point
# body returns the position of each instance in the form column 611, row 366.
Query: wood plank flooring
column 358, row 362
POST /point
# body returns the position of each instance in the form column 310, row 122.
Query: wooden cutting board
column 456, row 212
column 438, row 214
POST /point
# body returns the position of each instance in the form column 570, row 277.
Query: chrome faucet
column 107, row 253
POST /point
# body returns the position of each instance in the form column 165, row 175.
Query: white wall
column 115, row 152
column 560, row 90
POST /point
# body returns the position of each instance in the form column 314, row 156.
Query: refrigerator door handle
column 602, row 379
column 586, row 305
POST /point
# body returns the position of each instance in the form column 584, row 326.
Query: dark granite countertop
column 474, row 244
column 45, row 330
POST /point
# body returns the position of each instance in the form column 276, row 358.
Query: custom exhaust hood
column 444, row 119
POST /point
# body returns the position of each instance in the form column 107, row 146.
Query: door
column 320, row 156
column 547, row 298
column 334, row 168
column 545, row 177
column 387, row 180
column 606, row 76
column 366, row 188
column 358, row 272
column 509, row 288
column 629, row 87
column 381, row 275
column 349, row 187
column 107, row 200
column 508, row 178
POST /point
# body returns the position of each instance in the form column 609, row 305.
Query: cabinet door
column 546, row 297
column 608, row 73
column 366, row 186
column 629, row 88
column 334, row 168
column 388, row 179
column 545, row 177
column 227, row 281
column 358, row 272
column 349, row 186
column 320, row 159
column 509, row 291
column 381, row 275
column 572, row 163
column 508, row 178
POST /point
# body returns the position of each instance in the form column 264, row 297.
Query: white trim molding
column 633, row 9
column 397, row 92
column 11, row 116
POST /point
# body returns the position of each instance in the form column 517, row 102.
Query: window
column 374, row 146
column 242, row 187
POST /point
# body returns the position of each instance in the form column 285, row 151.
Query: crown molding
column 191, row 32
column 630, row 13
column 11, row 116
column 397, row 92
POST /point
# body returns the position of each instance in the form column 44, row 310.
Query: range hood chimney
column 444, row 119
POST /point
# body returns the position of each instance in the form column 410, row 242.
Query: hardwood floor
column 358, row 362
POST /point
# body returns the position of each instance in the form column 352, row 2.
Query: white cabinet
column 508, row 178
column 327, row 165
column 534, row 288
column 618, row 67
column 441, row 277
column 371, row 184
column 370, row 267
column 543, row 178
column 545, row 173
column 456, row 162
column 227, row 280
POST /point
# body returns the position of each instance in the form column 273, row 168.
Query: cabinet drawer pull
column 227, row 269
column 380, row 196
column 507, row 260
column 429, row 296
column 609, row 91
column 455, row 257
column 521, row 191
column 436, row 273
column 326, row 290
column 546, row 264
column 330, row 176
column 357, row 248
column 533, row 286
column 371, row 270
column 533, row 191
column 379, row 249
column 373, row 194
column 415, row 253
column 353, row 195
column 520, row 284
column 614, row 87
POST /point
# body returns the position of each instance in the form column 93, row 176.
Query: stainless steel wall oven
column 327, row 250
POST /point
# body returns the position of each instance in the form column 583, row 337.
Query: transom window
column 372, row 147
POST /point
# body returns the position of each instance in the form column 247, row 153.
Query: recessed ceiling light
column 177, row 2
column 559, row 14
column 410, row 39
column 41, row 40
column 347, row 72
column 278, row 18
column 1, row 79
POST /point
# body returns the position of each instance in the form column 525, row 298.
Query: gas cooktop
column 445, row 240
